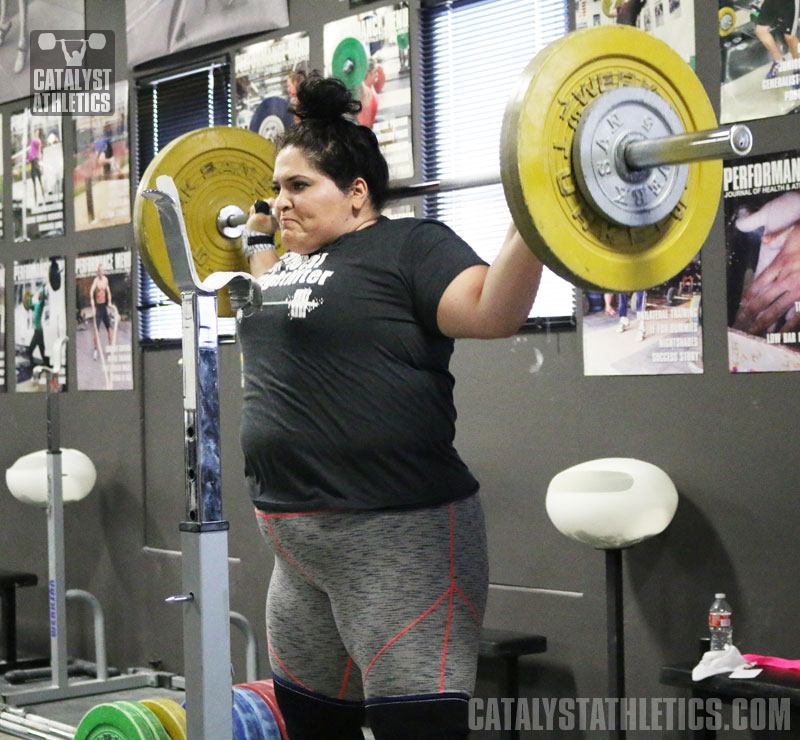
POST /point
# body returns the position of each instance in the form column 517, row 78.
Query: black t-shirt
column 348, row 400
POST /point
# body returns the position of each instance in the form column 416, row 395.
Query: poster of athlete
column 369, row 52
column 761, row 197
column 267, row 75
column 103, row 336
column 648, row 332
column 156, row 28
column 3, row 386
column 671, row 21
column 40, row 321
column 101, row 169
column 760, row 58
column 37, row 181
column 17, row 19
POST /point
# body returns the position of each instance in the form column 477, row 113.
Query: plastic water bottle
column 719, row 623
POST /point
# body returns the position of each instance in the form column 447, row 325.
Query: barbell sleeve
column 736, row 140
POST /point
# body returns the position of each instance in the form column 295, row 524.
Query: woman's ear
column 359, row 192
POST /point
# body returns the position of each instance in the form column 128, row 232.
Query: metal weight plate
column 727, row 21
column 112, row 722
column 170, row 714
column 212, row 168
column 539, row 125
column 266, row 690
column 147, row 717
column 349, row 62
column 610, row 122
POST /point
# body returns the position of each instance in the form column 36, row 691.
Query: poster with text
column 671, row 21
column 761, row 198
column 657, row 331
column 760, row 59
column 267, row 75
column 103, row 335
column 37, row 181
column 156, row 28
column 370, row 53
column 3, row 386
column 17, row 19
column 40, row 321
column 101, row 161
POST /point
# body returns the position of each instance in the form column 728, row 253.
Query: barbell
column 610, row 160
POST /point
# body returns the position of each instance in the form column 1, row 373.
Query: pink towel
column 793, row 665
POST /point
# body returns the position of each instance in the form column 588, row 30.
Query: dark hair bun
column 324, row 99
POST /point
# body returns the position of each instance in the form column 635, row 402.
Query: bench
column 507, row 647
column 10, row 580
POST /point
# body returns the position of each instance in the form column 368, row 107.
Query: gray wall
column 725, row 440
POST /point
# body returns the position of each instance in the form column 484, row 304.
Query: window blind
column 166, row 108
column 472, row 53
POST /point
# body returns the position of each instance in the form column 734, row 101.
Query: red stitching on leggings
column 283, row 665
column 283, row 552
column 403, row 631
column 469, row 604
column 346, row 676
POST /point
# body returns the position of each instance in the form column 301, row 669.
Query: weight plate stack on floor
column 171, row 715
column 266, row 690
column 114, row 721
column 252, row 717
column 147, row 717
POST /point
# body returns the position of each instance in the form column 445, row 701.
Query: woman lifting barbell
column 380, row 577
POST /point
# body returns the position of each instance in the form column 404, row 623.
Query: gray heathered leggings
column 377, row 604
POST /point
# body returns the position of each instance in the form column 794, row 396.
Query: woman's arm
column 490, row 302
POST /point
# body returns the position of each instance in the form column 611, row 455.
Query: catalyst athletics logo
column 72, row 72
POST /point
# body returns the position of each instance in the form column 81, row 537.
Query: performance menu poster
column 267, row 75
column 370, row 53
column 648, row 332
column 761, row 198
column 760, row 59
column 37, row 181
column 671, row 21
column 103, row 337
column 40, row 320
column 101, row 169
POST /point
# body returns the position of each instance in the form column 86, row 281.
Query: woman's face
column 309, row 206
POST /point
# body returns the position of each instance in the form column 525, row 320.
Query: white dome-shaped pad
column 27, row 477
column 612, row 502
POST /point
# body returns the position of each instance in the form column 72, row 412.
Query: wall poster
column 649, row 332
column 267, row 75
column 762, row 236
column 370, row 53
column 40, row 320
column 37, row 180
column 671, row 21
column 103, row 336
column 17, row 19
column 760, row 59
column 101, row 166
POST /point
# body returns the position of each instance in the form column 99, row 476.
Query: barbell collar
column 697, row 146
